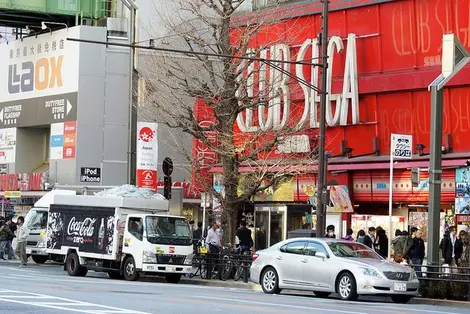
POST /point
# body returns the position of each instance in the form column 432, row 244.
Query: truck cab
column 36, row 222
column 159, row 244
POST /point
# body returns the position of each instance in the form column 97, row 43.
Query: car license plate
column 399, row 287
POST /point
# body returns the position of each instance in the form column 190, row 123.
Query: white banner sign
column 402, row 146
column 147, row 154
column 7, row 145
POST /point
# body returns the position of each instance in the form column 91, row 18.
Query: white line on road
column 399, row 309
column 62, row 304
column 277, row 304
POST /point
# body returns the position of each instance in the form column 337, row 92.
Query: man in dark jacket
column 5, row 234
column 417, row 251
column 369, row 239
column 451, row 248
column 12, row 226
column 244, row 235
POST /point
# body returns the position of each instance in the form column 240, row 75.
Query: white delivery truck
column 124, row 237
column 36, row 221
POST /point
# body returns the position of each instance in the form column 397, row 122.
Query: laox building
column 64, row 111
column 382, row 57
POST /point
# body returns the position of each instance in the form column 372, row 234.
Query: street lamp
column 454, row 58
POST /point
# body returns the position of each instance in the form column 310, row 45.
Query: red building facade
column 383, row 56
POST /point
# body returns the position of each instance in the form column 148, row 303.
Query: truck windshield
column 168, row 230
column 36, row 219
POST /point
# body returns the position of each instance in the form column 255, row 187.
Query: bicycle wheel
column 238, row 273
column 226, row 269
column 203, row 270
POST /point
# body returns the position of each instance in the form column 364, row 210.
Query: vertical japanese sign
column 63, row 140
column 147, row 155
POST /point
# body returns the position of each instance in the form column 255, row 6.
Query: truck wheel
column 40, row 259
column 72, row 265
column 83, row 271
column 114, row 275
column 173, row 278
column 130, row 271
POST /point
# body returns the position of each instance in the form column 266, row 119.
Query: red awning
column 356, row 166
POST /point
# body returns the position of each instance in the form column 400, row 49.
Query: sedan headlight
column 371, row 272
column 41, row 244
column 413, row 275
column 149, row 257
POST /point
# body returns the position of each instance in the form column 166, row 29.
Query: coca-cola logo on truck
column 83, row 228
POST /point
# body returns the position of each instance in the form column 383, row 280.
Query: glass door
column 277, row 225
column 261, row 228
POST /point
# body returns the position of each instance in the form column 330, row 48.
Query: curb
column 224, row 284
column 427, row 301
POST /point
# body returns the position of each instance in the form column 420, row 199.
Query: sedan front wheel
column 270, row 281
column 346, row 287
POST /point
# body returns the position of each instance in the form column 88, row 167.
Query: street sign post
column 401, row 146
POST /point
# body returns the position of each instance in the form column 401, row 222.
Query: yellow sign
column 309, row 190
column 12, row 194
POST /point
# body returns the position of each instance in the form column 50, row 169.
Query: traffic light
column 167, row 187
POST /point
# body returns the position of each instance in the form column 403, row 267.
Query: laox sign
column 29, row 76
column 278, row 111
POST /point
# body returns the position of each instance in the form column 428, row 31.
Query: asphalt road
column 48, row 289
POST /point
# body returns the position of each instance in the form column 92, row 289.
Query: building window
column 260, row 4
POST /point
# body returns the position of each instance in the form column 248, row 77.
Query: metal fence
column 444, row 282
column 223, row 266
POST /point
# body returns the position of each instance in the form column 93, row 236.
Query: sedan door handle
column 279, row 258
column 304, row 261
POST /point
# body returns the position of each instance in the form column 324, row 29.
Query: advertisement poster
column 91, row 229
column 147, row 155
column 462, row 206
column 420, row 221
column 339, row 199
column 462, row 189
column 7, row 145
column 63, row 140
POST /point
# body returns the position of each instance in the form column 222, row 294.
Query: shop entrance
column 270, row 223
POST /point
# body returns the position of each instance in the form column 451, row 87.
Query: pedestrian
column 244, row 236
column 21, row 244
column 330, row 232
column 213, row 240
column 5, row 234
column 398, row 245
column 459, row 246
column 12, row 226
column 451, row 248
column 382, row 243
column 369, row 239
column 408, row 243
column 361, row 234
column 416, row 251
column 464, row 260
column 349, row 234
column 197, row 236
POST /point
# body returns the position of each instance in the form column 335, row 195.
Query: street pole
column 435, row 172
column 322, row 166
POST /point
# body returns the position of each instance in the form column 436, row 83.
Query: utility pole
column 322, row 165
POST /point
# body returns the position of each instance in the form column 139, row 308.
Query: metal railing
column 444, row 282
column 223, row 266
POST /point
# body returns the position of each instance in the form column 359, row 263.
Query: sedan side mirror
column 320, row 255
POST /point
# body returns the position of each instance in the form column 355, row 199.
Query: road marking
column 53, row 302
column 416, row 310
column 278, row 305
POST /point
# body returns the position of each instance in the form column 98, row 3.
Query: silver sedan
column 327, row 266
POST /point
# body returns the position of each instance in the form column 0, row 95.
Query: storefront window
column 261, row 235
column 277, row 226
column 270, row 224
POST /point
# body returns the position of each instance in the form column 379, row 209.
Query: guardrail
column 444, row 282
column 223, row 266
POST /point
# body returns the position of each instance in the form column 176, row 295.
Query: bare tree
column 219, row 77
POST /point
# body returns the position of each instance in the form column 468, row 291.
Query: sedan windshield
column 167, row 230
column 352, row 249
